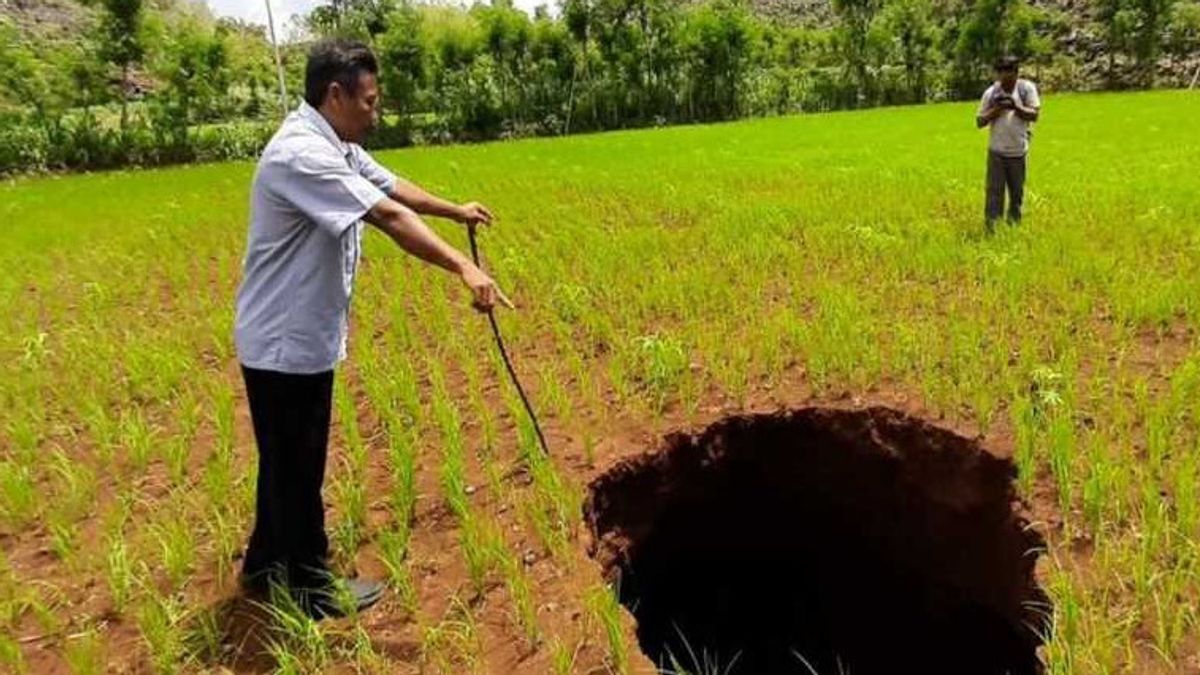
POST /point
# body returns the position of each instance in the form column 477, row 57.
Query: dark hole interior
column 823, row 541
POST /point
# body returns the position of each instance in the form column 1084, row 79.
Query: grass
column 605, row 611
column 298, row 644
column 452, row 644
column 689, row 662
column 159, row 620
column 120, row 574
column 393, row 553
column 85, row 653
column 661, row 276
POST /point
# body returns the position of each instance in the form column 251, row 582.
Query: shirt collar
column 317, row 120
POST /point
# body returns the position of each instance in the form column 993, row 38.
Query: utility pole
column 283, row 103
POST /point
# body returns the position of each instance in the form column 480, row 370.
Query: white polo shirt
column 1009, row 134
column 310, row 192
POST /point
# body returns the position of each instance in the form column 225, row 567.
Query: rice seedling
column 606, row 611
column 393, row 553
column 159, row 623
column 85, row 652
column 176, row 540
column 452, row 645
column 19, row 503
column 120, row 575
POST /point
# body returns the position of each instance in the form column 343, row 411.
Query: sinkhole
column 822, row 541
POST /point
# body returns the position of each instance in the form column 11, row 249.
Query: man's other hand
column 485, row 291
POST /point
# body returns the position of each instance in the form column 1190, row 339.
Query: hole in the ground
column 823, row 541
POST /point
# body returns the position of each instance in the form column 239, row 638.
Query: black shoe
column 263, row 580
column 257, row 584
column 342, row 598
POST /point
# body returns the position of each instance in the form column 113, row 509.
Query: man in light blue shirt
column 312, row 191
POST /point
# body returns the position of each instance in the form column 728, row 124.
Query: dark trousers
column 1004, row 172
column 291, row 427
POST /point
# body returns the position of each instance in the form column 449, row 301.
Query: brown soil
column 605, row 435
column 865, row 541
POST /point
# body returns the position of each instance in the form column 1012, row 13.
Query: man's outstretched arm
column 412, row 234
column 424, row 203
column 414, row 197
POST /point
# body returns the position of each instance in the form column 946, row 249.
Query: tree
column 507, row 32
column 1154, row 16
column 198, row 75
column 910, row 23
column 402, row 56
column 995, row 28
column 22, row 79
column 717, row 43
column 552, row 66
column 856, row 17
column 86, row 71
column 363, row 19
column 1134, row 29
column 251, row 57
column 1183, row 31
column 121, row 43
column 577, row 15
column 637, row 44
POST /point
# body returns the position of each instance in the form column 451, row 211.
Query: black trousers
column 1004, row 172
column 291, row 427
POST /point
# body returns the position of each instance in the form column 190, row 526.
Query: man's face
column 1007, row 77
column 357, row 114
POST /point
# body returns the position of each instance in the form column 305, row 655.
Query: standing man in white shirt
column 1009, row 108
column 313, row 188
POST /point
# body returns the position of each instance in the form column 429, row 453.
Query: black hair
column 336, row 60
column 1007, row 63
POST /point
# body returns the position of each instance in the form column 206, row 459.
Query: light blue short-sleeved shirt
column 310, row 193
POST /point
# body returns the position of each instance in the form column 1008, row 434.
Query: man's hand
column 988, row 116
column 485, row 290
column 474, row 213
column 1027, row 114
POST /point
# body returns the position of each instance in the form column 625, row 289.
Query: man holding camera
column 1010, row 107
